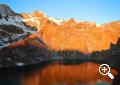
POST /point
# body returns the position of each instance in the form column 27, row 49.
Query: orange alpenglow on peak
column 85, row 36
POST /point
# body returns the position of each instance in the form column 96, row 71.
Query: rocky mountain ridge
column 49, row 36
column 12, row 27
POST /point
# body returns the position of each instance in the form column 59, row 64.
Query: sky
column 99, row 11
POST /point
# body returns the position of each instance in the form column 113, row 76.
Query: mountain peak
column 5, row 10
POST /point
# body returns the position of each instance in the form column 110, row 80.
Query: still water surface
column 53, row 74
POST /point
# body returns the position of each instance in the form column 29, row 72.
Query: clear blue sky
column 99, row 11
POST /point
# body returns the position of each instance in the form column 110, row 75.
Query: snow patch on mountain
column 12, row 26
column 6, row 11
column 56, row 20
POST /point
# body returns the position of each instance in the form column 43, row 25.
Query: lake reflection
column 55, row 74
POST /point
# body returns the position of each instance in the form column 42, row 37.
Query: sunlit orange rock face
column 58, row 74
column 85, row 37
column 83, row 40
column 36, row 19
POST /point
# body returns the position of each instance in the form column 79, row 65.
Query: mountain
column 28, row 31
column 31, row 38
column 6, row 11
column 12, row 27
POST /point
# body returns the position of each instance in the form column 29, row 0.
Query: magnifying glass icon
column 104, row 69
